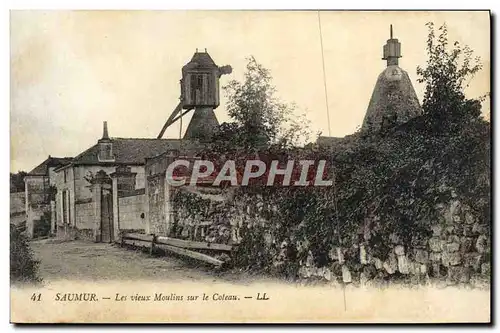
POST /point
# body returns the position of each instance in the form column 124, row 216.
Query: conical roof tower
column 393, row 100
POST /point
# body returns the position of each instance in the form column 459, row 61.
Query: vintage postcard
column 250, row 166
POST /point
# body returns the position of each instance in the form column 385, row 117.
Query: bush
column 23, row 266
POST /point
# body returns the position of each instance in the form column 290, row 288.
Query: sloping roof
column 202, row 125
column 129, row 150
column 393, row 100
column 43, row 168
column 201, row 60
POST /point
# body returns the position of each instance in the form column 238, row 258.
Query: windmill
column 199, row 91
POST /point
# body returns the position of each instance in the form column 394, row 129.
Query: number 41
column 36, row 297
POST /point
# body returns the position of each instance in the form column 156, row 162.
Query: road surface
column 67, row 260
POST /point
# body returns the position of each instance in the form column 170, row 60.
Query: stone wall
column 132, row 212
column 456, row 250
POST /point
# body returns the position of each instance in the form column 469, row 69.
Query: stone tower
column 393, row 100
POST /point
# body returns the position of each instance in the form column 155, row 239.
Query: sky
column 72, row 70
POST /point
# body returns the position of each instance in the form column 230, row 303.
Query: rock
column 451, row 258
column 482, row 245
column 453, row 239
column 362, row 255
column 433, row 257
column 435, row 244
column 403, row 265
column 340, row 256
column 363, row 279
column 477, row 229
column 449, row 230
column 451, row 247
column 423, row 269
column 436, row 230
column 391, row 264
column 346, row 274
column 327, row 274
column 466, row 244
column 467, row 230
column 486, row 268
column 459, row 274
column 469, row 218
column 473, row 260
column 378, row 263
column 455, row 209
column 399, row 250
column 421, row 256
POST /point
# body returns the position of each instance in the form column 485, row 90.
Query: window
column 65, row 175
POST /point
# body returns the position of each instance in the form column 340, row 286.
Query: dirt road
column 97, row 261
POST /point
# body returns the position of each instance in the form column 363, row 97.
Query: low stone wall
column 456, row 250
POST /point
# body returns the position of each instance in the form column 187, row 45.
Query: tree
column 260, row 119
column 17, row 181
column 447, row 74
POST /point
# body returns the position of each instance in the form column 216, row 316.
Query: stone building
column 393, row 100
column 84, row 199
column 39, row 190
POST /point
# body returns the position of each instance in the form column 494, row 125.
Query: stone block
column 421, row 256
column 473, row 260
column 459, row 274
column 453, row 239
column 346, row 274
column 466, row 244
column 486, row 268
column 436, row 230
column 363, row 259
column 451, row 247
column 435, row 257
column 467, row 230
column 451, row 258
column 482, row 244
column 477, row 229
column 423, row 269
column 378, row 263
column 399, row 250
column 435, row 244
column 403, row 265
column 469, row 218
column 391, row 264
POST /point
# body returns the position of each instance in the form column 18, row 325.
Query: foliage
column 447, row 74
column 42, row 227
column 260, row 119
column 23, row 266
column 17, row 181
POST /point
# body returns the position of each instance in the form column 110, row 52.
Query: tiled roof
column 129, row 150
column 43, row 168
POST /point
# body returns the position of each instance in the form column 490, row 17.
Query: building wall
column 85, row 215
column 130, row 210
column 64, row 181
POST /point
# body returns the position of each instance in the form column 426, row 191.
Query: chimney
column 105, row 135
column 105, row 145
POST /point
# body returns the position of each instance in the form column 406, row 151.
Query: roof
column 201, row 60
column 43, row 168
column 129, row 150
column 393, row 100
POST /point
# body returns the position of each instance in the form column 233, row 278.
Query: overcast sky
column 70, row 71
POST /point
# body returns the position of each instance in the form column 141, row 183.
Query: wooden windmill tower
column 199, row 91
